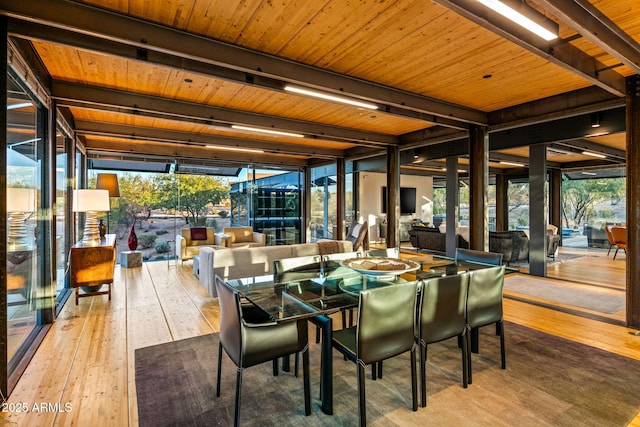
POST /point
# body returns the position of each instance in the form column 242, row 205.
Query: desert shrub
column 162, row 247
column 223, row 214
column 161, row 232
column 146, row 241
column 213, row 224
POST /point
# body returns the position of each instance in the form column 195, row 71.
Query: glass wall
column 323, row 202
column 25, row 243
column 269, row 201
column 61, row 208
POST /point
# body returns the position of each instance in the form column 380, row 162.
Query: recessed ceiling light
column 188, row 81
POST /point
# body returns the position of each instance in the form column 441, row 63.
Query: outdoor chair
column 484, row 307
column 442, row 316
column 385, row 329
column 252, row 344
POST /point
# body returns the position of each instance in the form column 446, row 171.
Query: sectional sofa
column 257, row 261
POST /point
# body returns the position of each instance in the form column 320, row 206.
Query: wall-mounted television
column 407, row 200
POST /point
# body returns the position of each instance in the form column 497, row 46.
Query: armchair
column 358, row 235
column 240, row 237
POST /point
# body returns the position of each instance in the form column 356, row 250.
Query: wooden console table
column 92, row 267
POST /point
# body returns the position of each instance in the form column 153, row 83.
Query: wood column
column 478, row 183
column 555, row 199
column 393, row 201
column 453, row 203
column 633, row 201
column 340, row 197
column 537, row 217
column 502, row 202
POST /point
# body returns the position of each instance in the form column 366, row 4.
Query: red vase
column 133, row 239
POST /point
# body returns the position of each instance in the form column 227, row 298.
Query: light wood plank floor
column 87, row 359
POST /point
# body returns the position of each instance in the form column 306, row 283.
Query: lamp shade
column 109, row 182
column 90, row 200
column 21, row 199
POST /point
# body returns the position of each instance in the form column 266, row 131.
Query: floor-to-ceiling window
column 61, row 209
column 24, row 239
column 323, row 202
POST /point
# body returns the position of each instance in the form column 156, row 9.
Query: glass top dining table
column 316, row 293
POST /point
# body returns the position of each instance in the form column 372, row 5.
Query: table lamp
column 20, row 203
column 91, row 202
column 109, row 182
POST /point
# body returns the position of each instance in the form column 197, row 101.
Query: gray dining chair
column 484, row 306
column 472, row 255
column 249, row 344
column 385, row 329
column 384, row 252
column 442, row 316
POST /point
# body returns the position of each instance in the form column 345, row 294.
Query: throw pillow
column 198, row 233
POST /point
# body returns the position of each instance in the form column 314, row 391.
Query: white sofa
column 258, row 261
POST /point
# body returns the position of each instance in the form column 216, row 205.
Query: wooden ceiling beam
column 76, row 95
column 560, row 53
column 120, row 149
column 85, row 127
column 147, row 36
column 597, row 28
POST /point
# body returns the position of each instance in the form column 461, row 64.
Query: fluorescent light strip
column 269, row 131
column 588, row 173
column 20, row 105
column 598, row 155
column 512, row 164
column 519, row 19
column 244, row 150
column 329, row 97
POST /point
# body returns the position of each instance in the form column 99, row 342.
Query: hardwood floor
column 86, row 361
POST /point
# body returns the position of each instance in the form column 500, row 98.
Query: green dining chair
column 442, row 316
column 484, row 306
column 471, row 255
column 385, row 329
column 252, row 344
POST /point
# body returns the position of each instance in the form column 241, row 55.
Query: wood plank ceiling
column 149, row 78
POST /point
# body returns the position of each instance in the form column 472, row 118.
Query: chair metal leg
column 616, row 253
column 379, row 369
column 373, row 372
column 465, row 361
column 469, row 377
column 296, row 364
column 362, row 403
column 414, row 381
column 306, row 381
column 423, row 374
column 219, row 369
column 275, row 367
column 236, row 421
column 503, row 355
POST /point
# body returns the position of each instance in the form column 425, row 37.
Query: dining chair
column 612, row 240
column 332, row 261
column 620, row 237
column 472, row 255
column 385, row 329
column 384, row 252
column 442, row 316
column 249, row 344
column 484, row 306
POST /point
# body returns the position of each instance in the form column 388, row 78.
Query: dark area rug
column 549, row 381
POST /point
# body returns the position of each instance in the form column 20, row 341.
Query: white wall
column 370, row 197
